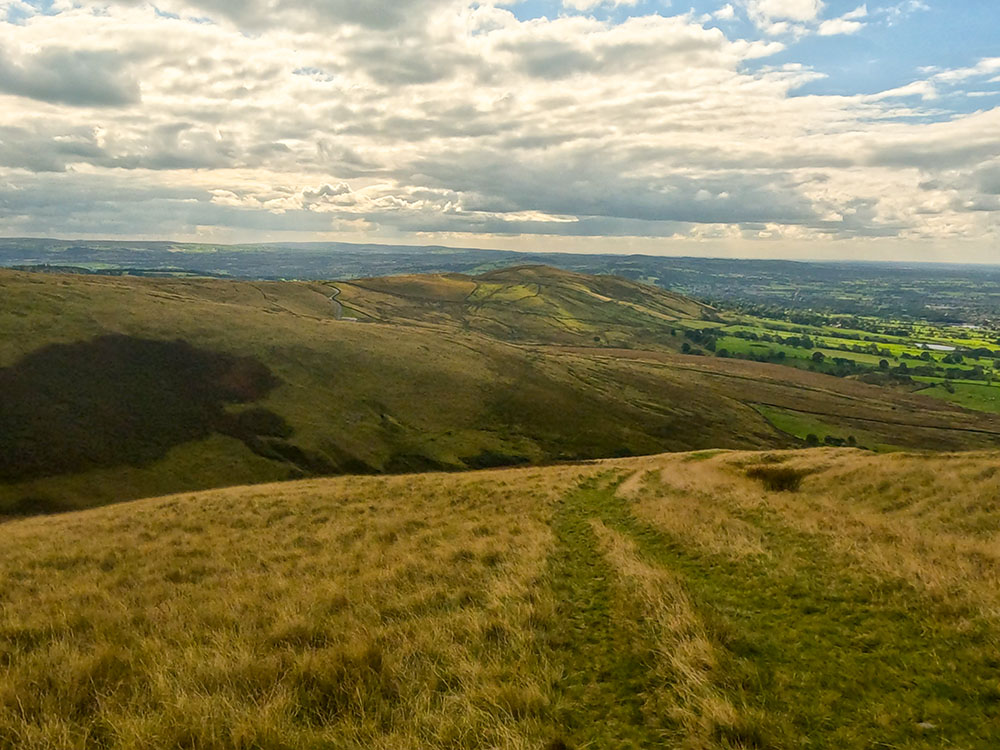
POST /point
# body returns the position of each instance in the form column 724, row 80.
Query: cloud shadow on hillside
column 119, row 400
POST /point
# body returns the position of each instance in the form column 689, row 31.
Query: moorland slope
column 113, row 388
column 829, row 598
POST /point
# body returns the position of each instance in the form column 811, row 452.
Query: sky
column 813, row 129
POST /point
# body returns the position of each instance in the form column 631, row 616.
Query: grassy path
column 822, row 653
column 600, row 695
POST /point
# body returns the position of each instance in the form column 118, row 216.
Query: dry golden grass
column 933, row 520
column 358, row 612
column 672, row 496
column 666, row 601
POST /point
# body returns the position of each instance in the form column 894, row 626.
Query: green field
column 802, row 426
column 855, row 352
column 970, row 395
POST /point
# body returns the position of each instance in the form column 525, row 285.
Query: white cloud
column 899, row 11
column 986, row 66
column 797, row 18
column 845, row 24
column 924, row 89
column 725, row 13
column 860, row 12
column 459, row 122
column 788, row 10
column 585, row 5
column 836, row 26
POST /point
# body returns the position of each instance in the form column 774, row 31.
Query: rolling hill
column 533, row 304
column 114, row 388
column 829, row 598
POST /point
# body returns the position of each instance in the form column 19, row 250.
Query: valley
column 120, row 387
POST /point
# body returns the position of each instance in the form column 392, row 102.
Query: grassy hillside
column 826, row 598
column 113, row 388
column 531, row 303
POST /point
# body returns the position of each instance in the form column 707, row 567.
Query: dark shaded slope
column 121, row 400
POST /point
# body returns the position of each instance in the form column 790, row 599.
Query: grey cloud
column 415, row 221
column 744, row 156
column 84, row 78
column 261, row 152
column 548, row 58
column 970, row 192
column 987, row 203
column 860, row 219
column 328, row 195
column 441, row 125
column 411, row 64
column 49, row 205
column 556, row 57
column 537, row 141
column 935, row 156
column 47, row 152
column 164, row 147
column 593, row 187
column 988, row 179
column 179, row 146
column 268, row 14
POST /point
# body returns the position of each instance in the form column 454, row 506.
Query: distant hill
column 824, row 598
column 113, row 388
column 537, row 304
column 932, row 291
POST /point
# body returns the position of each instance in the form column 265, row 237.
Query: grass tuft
column 778, row 478
column 345, row 682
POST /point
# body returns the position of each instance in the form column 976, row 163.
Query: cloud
column 602, row 190
column 987, row 178
column 576, row 46
column 924, row 89
column 960, row 143
column 800, row 18
column 458, row 120
column 785, row 10
column 725, row 13
column 78, row 77
column 846, row 24
column 898, row 12
column 835, row 26
column 986, row 66
column 261, row 15
column 585, row 5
